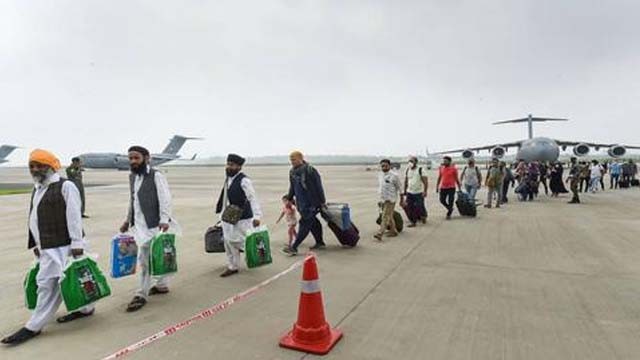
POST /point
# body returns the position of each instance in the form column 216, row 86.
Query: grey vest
column 148, row 198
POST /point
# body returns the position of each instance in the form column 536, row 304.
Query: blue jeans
column 472, row 190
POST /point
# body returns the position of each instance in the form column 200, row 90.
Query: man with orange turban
column 55, row 232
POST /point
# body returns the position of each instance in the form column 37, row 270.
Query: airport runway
column 541, row 280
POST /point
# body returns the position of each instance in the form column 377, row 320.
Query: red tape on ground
column 204, row 314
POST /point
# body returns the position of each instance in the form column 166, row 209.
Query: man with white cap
column 55, row 233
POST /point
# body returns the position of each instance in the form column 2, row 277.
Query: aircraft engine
column 467, row 154
column 498, row 152
column 617, row 151
column 581, row 150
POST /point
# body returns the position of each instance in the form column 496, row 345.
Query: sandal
column 136, row 304
column 158, row 291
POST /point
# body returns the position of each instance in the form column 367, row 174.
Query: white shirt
column 596, row 171
column 470, row 176
column 141, row 231
column 247, row 186
column 389, row 186
column 52, row 261
column 414, row 181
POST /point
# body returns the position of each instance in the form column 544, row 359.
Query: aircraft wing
column 595, row 145
column 480, row 148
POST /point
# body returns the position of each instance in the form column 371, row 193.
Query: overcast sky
column 328, row 77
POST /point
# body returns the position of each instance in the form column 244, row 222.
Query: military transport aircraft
column 5, row 150
column 540, row 148
column 121, row 161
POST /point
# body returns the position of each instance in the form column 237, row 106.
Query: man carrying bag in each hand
column 149, row 214
column 55, row 233
column 240, row 210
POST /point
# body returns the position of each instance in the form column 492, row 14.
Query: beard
column 41, row 176
column 231, row 173
column 138, row 169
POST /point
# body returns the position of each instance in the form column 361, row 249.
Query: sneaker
column 411, row 225
column 289, row 252
column 378, row 236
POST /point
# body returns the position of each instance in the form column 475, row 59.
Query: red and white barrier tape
column 204, row 314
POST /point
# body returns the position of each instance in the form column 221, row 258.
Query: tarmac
column 540, row 280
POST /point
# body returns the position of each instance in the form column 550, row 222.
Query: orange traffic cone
column 311, row 333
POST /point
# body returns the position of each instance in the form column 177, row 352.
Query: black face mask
column 231, row 173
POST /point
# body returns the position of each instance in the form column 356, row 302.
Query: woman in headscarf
column 556, row 184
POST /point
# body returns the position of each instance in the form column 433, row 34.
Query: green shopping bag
column 163, row 255
column 31, row 287
column 257, row 248
column 83, row 284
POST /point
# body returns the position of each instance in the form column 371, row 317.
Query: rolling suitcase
column 466, row 206
column 340, row 214
column 623, row 184
column 214, row 240
column 347, row 237
column 635, row 182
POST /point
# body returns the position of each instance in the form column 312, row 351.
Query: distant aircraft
column 5, row 150
column 121, row 161
column 540, row 148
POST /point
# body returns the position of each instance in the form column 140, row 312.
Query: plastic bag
column 83, row 284
column 31, row 287
column 257, row 247
column 163, row 254
column 124, row 255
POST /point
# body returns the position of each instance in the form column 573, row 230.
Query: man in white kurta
column 143, row 232
column 52, row 260
column 235, row 234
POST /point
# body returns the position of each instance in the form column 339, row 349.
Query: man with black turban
column 149, row 213
column 238, row 195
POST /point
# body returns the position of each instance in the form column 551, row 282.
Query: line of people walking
column 56, row 234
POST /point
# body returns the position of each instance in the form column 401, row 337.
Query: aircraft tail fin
column 529, row 120
column 526, row 120
column 176, row 143
column 5, row 150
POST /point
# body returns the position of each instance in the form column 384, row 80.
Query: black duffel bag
column 213, row 239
